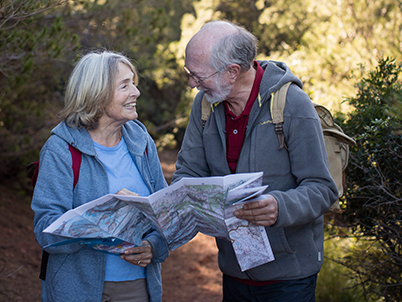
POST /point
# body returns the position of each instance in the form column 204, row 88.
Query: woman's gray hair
column 90, row 88
column 238, row 47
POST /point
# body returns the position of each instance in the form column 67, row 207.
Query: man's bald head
column 221, row 43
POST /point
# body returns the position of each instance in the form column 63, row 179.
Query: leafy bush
column 32, row 43
column 39, row 42
column 374, row 184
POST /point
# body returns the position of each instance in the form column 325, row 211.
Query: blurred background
column 348, row 54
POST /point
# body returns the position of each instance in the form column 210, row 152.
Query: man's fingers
column 261, row 212
column 256, row 204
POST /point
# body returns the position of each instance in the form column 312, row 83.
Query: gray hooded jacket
column 299, row 178
column 76, row 272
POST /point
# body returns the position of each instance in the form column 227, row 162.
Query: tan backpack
column 336, row 141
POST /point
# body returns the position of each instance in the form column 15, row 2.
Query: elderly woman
column 118, row 154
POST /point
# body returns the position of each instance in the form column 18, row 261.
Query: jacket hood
column 275, row 75
column 134, row 132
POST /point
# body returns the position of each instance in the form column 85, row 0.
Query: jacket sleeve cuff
column 159, row 247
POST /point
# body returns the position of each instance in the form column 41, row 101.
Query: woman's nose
column 135, row 92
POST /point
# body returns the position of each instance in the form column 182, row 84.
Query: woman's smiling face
column 123, row 106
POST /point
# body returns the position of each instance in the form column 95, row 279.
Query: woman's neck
column 106, row 137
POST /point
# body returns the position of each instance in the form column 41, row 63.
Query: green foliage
column 142, row 30
column 279, row 25
column 334, row 281
column 32, row 39
column 40, row 40
column 322, row 41
column 374, row 186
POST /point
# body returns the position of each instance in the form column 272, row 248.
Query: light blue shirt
column 122, row 173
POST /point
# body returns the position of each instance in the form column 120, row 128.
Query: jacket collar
column 134, row 133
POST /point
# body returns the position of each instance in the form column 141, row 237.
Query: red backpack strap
column 76, row 158
column 35, row 173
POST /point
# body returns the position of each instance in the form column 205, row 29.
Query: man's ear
column 234, row 71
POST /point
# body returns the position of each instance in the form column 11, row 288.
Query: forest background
column 346, row 52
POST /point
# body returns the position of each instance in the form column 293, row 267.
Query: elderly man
column 239, row 137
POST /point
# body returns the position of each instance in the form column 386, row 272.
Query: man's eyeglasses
column 198, row 79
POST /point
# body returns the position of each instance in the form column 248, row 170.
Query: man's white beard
column 222, row 92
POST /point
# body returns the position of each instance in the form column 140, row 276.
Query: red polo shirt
column 235, row 132
column 236, row 125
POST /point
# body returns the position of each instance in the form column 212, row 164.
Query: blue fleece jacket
column 76, row 272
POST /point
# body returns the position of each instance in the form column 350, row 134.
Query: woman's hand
column 140, row 255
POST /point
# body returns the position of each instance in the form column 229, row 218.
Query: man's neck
column 240, row 94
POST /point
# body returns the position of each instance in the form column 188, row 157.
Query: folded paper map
column 177, row 212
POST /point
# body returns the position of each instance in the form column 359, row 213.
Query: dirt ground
column 190, row 274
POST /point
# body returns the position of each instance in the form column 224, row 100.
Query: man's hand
column 139, row 255
column 261, row 212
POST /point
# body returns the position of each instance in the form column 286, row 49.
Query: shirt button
column 235, row 131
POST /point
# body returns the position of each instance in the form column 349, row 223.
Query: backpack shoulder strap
column 76, row 159
column 43, row 265
column 33, row 166
column 205, row 110
column 278, row 102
